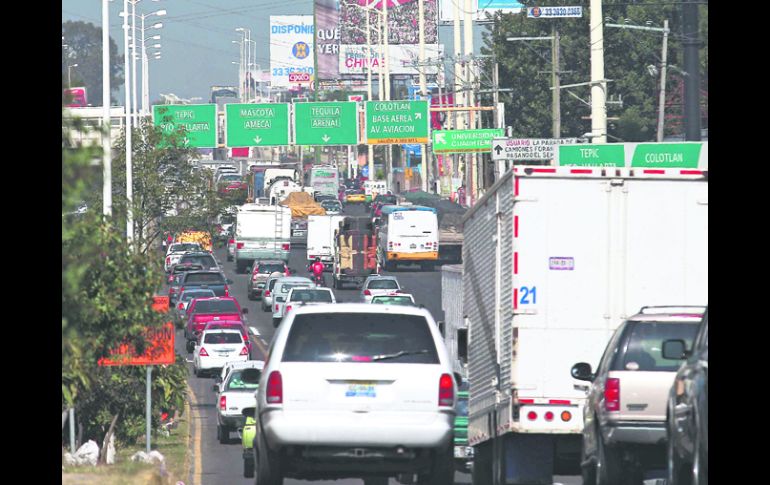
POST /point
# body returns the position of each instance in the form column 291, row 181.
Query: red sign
column 299, row 77
column 160, row 303
column 159, row 350
column 356, row 97
column 77, row 97
column 242, row 152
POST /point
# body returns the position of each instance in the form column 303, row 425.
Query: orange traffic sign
column 159, row 350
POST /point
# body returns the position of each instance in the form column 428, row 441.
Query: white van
column 261, row 232
column 408, row 234
column 320, row 238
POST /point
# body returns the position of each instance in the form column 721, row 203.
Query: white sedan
column 378, row 285
column 216, row 348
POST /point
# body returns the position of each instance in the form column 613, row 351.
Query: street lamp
column 69, row 77
column 145, row 63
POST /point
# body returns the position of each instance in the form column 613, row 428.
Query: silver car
column 267, row 293
column 378, row 285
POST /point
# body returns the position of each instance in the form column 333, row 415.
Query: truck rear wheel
column 482, row 464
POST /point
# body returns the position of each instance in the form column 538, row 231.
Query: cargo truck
column 261, row 232
column 320, row 238
column 355, row 252
column 556, row 258
column 325, row 179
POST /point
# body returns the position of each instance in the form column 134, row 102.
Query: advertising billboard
column 291, row 47
column 328, row 38
column 402, row 21
column 354, row 60
column 76, row 97
column 480, row 8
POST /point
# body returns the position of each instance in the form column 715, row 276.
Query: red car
column 230, row 325
column 203, row 310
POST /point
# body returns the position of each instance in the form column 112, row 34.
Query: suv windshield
column 216, row 306
column 223, row 338
column 194, row 278
column 235, row 382
column 383, row 285
column 270, row 268
column 360, row 338
column 311, row 295
column 644, row 345
column 205, row 260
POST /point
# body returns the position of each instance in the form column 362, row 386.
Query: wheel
column 248, row 467
column 608, row 464
column 223, row 433
column 251, row 296
column 198, row 372
column 276, row 322
column 588, row 469
column 268, row 467
column 265, row 307
column 442, row 469
column 190, row 346
column 482, row 464
column 700, row 462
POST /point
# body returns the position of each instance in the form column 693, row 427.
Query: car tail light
column 267, row 292
column 612, row 394
column 168, row 260
column 239, row 246
column 367, row 293
column 227, row 291
column 231, row 241
column 276, row 307
column 532, row 415
column 274, row 392
column 288, row 309
column 285, row 247
column 203, row 352
column 446, row 390
column 549, row 416
column 244, row 351
column 223, row 403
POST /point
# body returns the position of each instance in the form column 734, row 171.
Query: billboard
column 480, row 8
column 402, row 21
column 327, row 38
column 354, row 60
column 76, row 97
column 291, row 47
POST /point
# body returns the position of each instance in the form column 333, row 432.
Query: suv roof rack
column 666, row 309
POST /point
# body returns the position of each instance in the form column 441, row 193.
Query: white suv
column 355, row 390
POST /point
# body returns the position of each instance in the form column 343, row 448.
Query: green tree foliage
column 525, row 67
column 84, row 41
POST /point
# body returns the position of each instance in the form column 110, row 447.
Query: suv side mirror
column 582, row 371
column 462, row 345
column 675, row 349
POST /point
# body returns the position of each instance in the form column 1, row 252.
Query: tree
column 84, row 41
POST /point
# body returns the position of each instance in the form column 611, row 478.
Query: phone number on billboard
column 556, row 12
column 285, row 71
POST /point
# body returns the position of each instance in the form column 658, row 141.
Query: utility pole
column 370, row 147
column 470, row 98
column 598, row 83
column 662, row 99
column 691, row 43
column 555, row 80
column 423, row 90
column 106, row 114
column 129, row 166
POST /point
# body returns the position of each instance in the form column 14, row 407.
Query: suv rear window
column 312, row 295
column 205, row 260
column 360, row 338
column 383, row 285
column 193, row 278
column 223, row 338
column 216, row 306
column 270, row 268
column 643, row 344
column 392, row 300
column 185, row 247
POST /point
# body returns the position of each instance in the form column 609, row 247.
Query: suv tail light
column 203, row 352
column 612, row 394
column 223, row 403
column 367, row 293
column 180, row 306
column 231, row 241
column 244, row 351
column 267, row 292
column 446, row 390
column 285, row 247
column 239, row 246
column 288, row 308
column 276, row 307
column 274, row 392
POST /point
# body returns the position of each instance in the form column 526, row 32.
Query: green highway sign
column 252, row 125
column 333, row 123
column 592, row 155
column 199, row 121
column 666, row 155
column 396, row 122
column 463, row 141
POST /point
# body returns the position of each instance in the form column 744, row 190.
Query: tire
column 442, row 469
column 198, row 373
column 250, row 296
column 239, row 267
column 190, row 347
column 264, row 307
column 248, row 467
column 588, row 471
column 376, row 481
column 482, row 464
column 268, row 466
column 608, row 463
column 276, row 322
column 223, row 433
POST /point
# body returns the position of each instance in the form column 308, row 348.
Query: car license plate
column 361, row 389
column 412, row 246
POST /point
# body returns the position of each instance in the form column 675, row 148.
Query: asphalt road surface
column 217, row 464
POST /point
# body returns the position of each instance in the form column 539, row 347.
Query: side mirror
column 462, row 345
column 244, row 310
column 442, row 327
column 248, row 412
column 674, row 349
column 582, row 371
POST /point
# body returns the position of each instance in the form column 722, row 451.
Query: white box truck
column 320, row 238
column 555, row 258
column 261, row 232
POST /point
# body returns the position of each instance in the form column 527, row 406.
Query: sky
column 196, row 38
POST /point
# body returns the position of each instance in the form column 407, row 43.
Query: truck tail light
column 367, row 293
column 276, row 307
column 288, row 309
column 549, row 416
column 203, row 352
column 274, row 392
column 612, row 394
column 244, row 351
column 239, row 245
column 446, row 391
column 223, row 403
column 532, row 415
column 285, row 247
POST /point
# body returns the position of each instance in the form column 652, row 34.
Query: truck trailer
column 261, row 232
column 556, row 259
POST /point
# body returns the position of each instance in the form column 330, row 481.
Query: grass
column 126, row 472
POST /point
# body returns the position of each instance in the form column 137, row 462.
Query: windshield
column 193, row 278
column 383, row 285
column 230, row 176
column 360, row 338
column 311, row 295
column 225, row 326
column 189, row 295
column 270, row 268
column 644, row 350
column 216, row 306
column 235, row 382
column 205, row 260
column 185, row 247
column 223, row 338
column 287, row 286
column 392, row 300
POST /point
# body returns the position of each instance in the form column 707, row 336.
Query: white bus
column 408, row 234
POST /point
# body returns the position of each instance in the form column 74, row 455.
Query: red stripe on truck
column 544, row 170
column 691, row 172
column 515, row 298
column 581, row 170
column 658, row 172
column 516, row 262
column 515, row 226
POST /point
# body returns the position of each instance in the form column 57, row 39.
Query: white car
column 378, row 285
column 337, row 370
column 393, row 299
column 175, row 252
column 233, row 394
column 216, row 348
column 267, row 293
column 300, row 296
column 281, row 291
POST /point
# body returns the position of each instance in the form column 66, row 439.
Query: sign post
column 396, row 122
column 254, row 125
column 198, row 120
column 332, row 123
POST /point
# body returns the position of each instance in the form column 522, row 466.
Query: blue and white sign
column 291, row 47
column 554, row 12
column 365, row 171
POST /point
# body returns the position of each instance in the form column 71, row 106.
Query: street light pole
column 134, row 111
column 106, row 115
column 129, row 166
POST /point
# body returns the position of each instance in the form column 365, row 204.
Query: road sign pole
column 148, row 415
